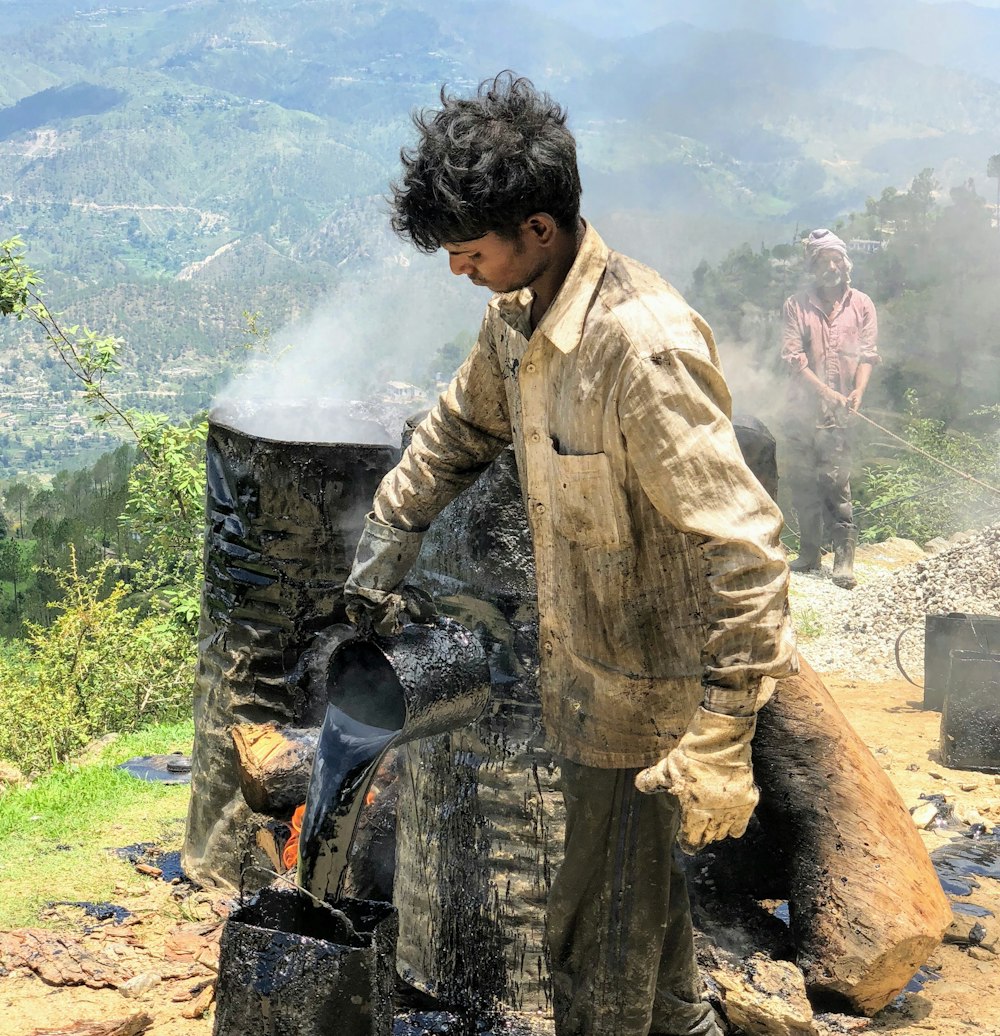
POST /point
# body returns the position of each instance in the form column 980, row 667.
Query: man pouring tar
column 662, row 587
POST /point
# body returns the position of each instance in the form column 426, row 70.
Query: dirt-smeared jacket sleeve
column 674, row 411
column 452, row 446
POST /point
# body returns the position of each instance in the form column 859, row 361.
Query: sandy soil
column 173, row 932
column 965, row 997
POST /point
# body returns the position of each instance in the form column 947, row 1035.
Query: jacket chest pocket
column 588, row 504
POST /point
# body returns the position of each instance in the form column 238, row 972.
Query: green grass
column 807, row 621
column 55, row 834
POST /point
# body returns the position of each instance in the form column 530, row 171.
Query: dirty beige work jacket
column 656, row 549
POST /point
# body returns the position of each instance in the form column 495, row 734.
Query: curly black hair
column 484, row 164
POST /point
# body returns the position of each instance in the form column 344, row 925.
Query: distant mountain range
column 166, row 152
column 956, row 35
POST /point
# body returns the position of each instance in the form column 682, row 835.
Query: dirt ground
column 169, row 944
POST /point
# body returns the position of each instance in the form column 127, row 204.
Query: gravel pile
column 854, row 631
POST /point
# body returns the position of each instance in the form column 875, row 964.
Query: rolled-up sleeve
column 452, row 446
column 868, row 352
column 793, row 338
column 674, row 410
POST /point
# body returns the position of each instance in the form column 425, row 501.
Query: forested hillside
column 172, row 166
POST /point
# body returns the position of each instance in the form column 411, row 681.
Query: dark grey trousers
column 619, row 919
column 818, row 469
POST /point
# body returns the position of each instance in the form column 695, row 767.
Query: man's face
column 829, row 268
column 498, row 263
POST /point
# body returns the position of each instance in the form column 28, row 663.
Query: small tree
column 15, row 566
column 165, row 501
column 16, row 496
column 99, row 666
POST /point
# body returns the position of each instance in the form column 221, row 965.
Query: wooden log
column 866, row 905
column 273, row 764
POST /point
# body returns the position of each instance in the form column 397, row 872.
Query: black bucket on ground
column 970, row 714
column 289, row 967
column 953, row 631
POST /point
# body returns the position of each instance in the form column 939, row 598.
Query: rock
column 840, row 1024
column 860, row 628
column 969, row 815
column 891, row 553
column 980, row 953
column 963, row 931
column 131, row 1026
column 201, row 1003
column 59, row 959
column 924, row 815
column 139, row 984
column 767, row 999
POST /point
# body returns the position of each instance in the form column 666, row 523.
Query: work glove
column 711, row 774
column 373, row 597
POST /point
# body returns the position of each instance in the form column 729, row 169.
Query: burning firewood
column 273, row 765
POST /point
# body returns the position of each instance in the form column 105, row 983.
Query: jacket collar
column 563, row 322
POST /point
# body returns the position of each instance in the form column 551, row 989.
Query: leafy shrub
column 916, row 497
column 98, row 668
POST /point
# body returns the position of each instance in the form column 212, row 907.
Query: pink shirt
column 833, row 346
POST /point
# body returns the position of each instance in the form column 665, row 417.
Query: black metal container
column 953, row 631
column 288, row 967
column 759, row 451
column 285, row 507
column 382, row 692
column 970, row 714
column 427, row 679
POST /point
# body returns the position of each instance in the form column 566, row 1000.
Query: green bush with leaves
column 99, row 667
column 913, row 495
column 119, row 654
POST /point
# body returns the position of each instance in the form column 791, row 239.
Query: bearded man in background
column 830, row 346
